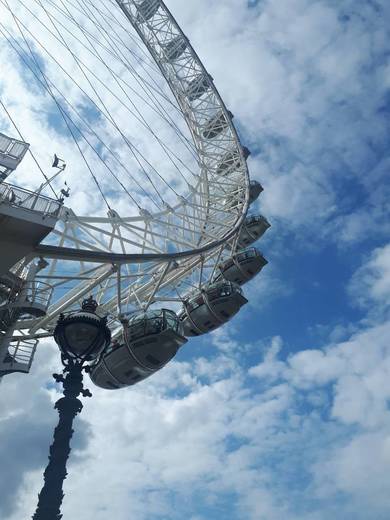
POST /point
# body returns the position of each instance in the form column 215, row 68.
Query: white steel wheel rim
column 213, row 224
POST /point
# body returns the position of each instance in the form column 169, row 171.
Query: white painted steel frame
column 192, row 234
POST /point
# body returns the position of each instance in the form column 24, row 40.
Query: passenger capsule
column 210, row 308
column 253, row 228
column 198, row 86
column 232, row 160
column 150, row 340
column 147, row 9
column 175, row 48
column 216, row 125
column 255, row 188
column 242, row 266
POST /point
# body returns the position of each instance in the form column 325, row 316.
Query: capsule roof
column 211, row 307
column 255, row 189
column 151, row 322
column 242, row 266
column 253, row 228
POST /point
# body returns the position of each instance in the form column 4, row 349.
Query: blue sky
column 283, row 413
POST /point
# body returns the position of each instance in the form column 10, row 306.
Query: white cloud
column 371, row 283
column 358, row 469
column 203, row 433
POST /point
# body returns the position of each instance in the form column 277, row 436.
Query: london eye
column 162, row 236
column 139, row 233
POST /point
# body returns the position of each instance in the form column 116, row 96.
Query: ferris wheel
column 157, row 161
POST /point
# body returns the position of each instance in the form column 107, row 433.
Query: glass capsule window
column 228, row 263
column 249, row 253
column 226, row 290
column 221, row 290
column 152, row 322
column 195, row 302
column 213, row 294
column 171, row 322
column 215, row 291
column 254, row 218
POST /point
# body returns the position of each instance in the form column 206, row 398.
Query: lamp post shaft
column 51, row 495
column 82, row 336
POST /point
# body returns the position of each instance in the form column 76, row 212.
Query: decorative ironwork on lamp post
column 81, row 336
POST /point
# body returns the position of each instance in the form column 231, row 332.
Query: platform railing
column 12, row 152
column 22, row 198
column 12, row 147
column 22, row 352
column 35, row 294
column 33, row 301
column 39, row 292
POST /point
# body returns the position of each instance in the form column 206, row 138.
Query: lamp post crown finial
column 89, row 305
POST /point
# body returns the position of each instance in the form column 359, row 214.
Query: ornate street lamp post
column 81, row 336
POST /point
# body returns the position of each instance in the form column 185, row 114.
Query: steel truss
column 132, row 262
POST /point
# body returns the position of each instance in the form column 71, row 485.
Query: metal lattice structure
column 122, row 290
column 133, row 262
column 12, row 152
